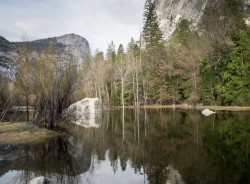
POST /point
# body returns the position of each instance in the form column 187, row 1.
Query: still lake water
column 139, row 146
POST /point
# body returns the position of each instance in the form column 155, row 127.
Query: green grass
column 23, row 133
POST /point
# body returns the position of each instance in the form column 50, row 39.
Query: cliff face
column 67, row 47
column 76, row 45
column 171, row 12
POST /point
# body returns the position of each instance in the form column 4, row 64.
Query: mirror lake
column 139, row 146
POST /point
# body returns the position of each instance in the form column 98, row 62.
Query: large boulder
column 86, row 112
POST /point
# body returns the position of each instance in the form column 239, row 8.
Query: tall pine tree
column 111, row 54
column 120, row 53
column 152, row 34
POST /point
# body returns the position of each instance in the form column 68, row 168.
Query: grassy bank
column 223, row 108
column 23, row 133
column 185, row 106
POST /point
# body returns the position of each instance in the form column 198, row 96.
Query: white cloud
column 99, row 21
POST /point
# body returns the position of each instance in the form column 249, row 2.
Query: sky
column 99, row 21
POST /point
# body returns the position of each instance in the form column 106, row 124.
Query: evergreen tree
column 228, row 81
column 133, row 48
column 151, row 31
column 120, row 52
column 131, row 45
column 111, row 54
column 235, row 74
column 183, row 33
column 225, row 71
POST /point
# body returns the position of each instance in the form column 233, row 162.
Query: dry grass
column 186, row 106
column 223, row 108
column 23, row 133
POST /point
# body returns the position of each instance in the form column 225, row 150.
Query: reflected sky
column 100, row 172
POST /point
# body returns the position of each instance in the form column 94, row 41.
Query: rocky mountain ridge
column 64, row 47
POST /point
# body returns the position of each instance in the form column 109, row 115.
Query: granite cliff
column 171, row 12
column 64, row 47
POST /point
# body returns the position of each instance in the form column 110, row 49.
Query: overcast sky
column 99, row 21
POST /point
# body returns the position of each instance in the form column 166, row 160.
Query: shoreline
column 187, row 107
column 181, row 106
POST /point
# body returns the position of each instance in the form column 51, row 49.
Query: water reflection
column 57, row 159
column 144, row 146
column 197, row 147
column 88, row 120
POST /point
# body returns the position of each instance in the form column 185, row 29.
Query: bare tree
column 52, row 80
column 23, row 84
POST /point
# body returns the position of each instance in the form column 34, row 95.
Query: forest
column 208, row 64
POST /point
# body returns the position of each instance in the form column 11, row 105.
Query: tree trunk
column 122, row 84
column 27, row 107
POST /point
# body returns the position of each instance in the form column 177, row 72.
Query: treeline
column 208, row 64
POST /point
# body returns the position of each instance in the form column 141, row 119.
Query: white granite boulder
column 86, row 112
column 207, row 112
column 87, row 105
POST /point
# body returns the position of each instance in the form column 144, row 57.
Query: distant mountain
column 69, row 46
